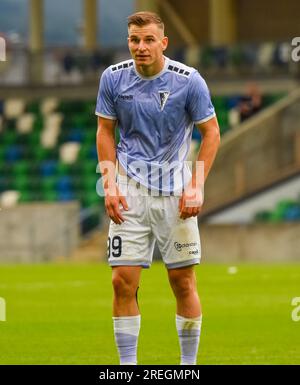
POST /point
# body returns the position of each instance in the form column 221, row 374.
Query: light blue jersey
column 156, row 116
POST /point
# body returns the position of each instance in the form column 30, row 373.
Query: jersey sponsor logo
column 163, row 96
column 125, row 97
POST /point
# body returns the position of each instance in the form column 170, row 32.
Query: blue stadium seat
column 76, row 135
column 48, row 168
column 93, row 153
column 292, row 213
column 64, row 184
column 13, row 153
column 65, row 196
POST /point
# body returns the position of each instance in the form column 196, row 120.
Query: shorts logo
column 180, row 246
column 163, row 95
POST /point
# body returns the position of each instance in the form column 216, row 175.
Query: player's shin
column 189, row 330
column 126, row 331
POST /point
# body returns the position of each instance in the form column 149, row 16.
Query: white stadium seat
column 68, row 152
column 25, row 123
column 13, row 108
column 9, row 199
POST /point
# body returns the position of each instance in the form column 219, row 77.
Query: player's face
column 146, row 45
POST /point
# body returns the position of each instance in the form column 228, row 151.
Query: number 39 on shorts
column 114, row 246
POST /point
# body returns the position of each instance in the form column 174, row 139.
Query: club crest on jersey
column 163, row 96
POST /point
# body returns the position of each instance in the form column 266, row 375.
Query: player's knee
column 123, row 287
column 182, row 286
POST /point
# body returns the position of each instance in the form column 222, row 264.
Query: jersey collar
column 154, row 76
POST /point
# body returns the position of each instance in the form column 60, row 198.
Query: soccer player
column 153, row 196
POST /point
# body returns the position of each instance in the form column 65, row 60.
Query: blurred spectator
column 221, row 56
column 251, row 102
column 96, row 61
column 245, row 106
column 68, row 63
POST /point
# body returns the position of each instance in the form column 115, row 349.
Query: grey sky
column 63, row 19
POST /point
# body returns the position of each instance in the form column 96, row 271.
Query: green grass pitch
column 61, row 314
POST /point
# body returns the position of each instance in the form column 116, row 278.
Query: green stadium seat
column 3, row 183
column 38, row 123
column 89, row 109
column 84, row 151
column 79, row 121
column 89, row 167
column 63, row 169
column 219, row 102
column 223, row 120
column 49, row 183
column 92, row 199
column 269, row 99
column 90, row 135
column 2, row 153
column 77, row 183
column 262, row 216
column 23, row 139
column 25, row 196
column 35, row 139
column 9, row 137
column 33, row 107
column 21, row 183
column 22, row 167
column 70, row 107
column 279, row 213
column 89, row 182
column 42, row 153
column 11, row 124
column 36, row 184
column 50, row 196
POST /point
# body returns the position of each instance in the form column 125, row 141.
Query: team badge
column 163, row 95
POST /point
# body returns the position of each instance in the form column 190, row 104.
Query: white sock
column 189, row 330
column 126, row 336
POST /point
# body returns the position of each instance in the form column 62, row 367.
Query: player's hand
column 113, row 200
column 190, row 203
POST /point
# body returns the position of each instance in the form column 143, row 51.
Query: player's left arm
column 191, row 202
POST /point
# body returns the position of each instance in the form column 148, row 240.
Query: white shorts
column 149, row 219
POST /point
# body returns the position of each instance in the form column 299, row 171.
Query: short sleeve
column 105, row 100
column 199, row 105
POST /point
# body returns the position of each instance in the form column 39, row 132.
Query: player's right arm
column 106, row 148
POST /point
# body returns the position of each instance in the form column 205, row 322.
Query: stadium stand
column 48, row 153
column 48, row 150
column 265, row 60
column 285, row 211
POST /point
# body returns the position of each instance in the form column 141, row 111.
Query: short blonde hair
column 144, row 18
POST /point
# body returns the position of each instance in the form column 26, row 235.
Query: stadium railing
column 262, row 151
column 73, row 65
